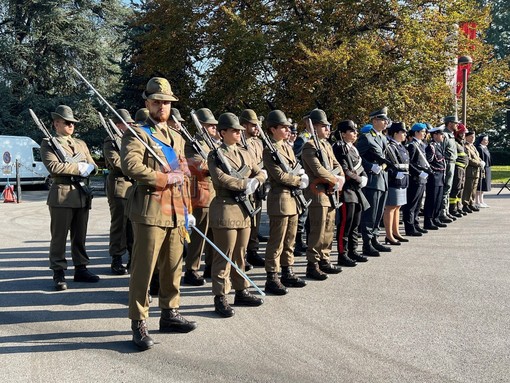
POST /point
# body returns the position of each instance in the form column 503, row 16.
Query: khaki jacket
column 280, row 200
column 118, row 185
column 320, row 177
column 63, row 193
column 202, row 191
column 474, row 161
column 224, row 211
column 153, row 201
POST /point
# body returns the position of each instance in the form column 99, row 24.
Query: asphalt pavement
column 436, row 309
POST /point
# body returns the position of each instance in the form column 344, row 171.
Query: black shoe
column 431, row 226
column 245, row 298
column 60, row 280
column 172, row 321
column 328, row 268
column 262, row 238
column 467, row 209
column 313, row 272
column 380, row 247
column 247, row 265
column 192, row 278
column 453, row 218
column 445, row 219
column 400, row 239
column 456, row 213
column 117, row 267
column 141, row 334
column 298, row 253
column 413, row 233
column 370, row 251
column 357, row 257
column 274, row 286
column 439, row 223
column 207, row 271
column 344, row 260
column 474, row 208
column 420, row 229
column 81, row 274
column 222, row 307
column 289, row 279
column 255, row 259
column 388, row 241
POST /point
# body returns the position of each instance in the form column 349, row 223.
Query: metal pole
column 18, row 182
column 464, row 95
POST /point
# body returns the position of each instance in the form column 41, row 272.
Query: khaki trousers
column 197, row 245
column 282, row 237
column 63, row 220
column 322, row 227
column 232, row 242
column 121, row 234
column 155, row 245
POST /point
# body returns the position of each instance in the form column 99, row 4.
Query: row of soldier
column 161, row 182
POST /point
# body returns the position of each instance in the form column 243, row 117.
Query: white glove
column 301, row 172
column 176, row 178
column 305, row 181
column 251, row 186
column 340, row 181
column 482, row 164
column 85, row 169
column 423, row 175
column 376, row 169
column 400, row 175
column 364, row 181
column 192, row 221
column 265, row 173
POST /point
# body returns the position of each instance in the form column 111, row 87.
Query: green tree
column 40, row 43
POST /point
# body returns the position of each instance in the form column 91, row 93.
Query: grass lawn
column 500, row 174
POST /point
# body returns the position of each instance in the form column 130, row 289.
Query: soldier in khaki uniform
column 69, row 200
column 158, row 208
column 117, row 188
column 249, row 121
column 231, row 224
column 473, row 170
column 202, row 193
column 282, row 208
column 321, row 212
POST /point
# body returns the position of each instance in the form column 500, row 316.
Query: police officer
column 450, row 155
column 419, row 170
column 230, row 222
column 249, row 120
column 354, row 201
column 202, row 195
column 372, row 146
column 117, row 189
column 282, row 207
column 323, row 184
column 69, row 199
column 435, row 182
column 158, row 207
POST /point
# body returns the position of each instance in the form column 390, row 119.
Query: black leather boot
column 222, row 307
column 328, row 267
column 117, row 267
column 172, row 321
column 192, row 278
column 369, row 250
column 313, row 272
column 379, row 247
column 245, row 298
column 273, row 284
column 290, row 279
column 355, row 256
column 255, row 259
column 345, row 260
column 141, row 335
column 60, row 280
column 81, row 274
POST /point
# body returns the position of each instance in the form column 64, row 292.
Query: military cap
column 419, row 126
column 249, row 115
column 125, row 116
column 438, row 130
column 367, row 128
column 470, row 133
column 452, row 119
column 293, row 128
column 64, row 112
column 318, row 116
column 381, row 114
column 397, row 127
column 205, row 116
column 277, row 117
column 142, row 115
column 175, row 112
column 346, row 125
column 158, row 88
column 229, row 120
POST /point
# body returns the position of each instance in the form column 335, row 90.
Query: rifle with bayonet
column 116, row 140
column 191, row 139
column 224, row 164
column 280, row 161
column 63, row 157
column 332, row 194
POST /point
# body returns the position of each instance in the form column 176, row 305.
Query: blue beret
column 367, row 128
column 419, row 126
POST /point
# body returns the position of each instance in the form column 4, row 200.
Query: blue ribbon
column 168, row 151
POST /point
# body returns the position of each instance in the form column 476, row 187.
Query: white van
column 27, row 152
